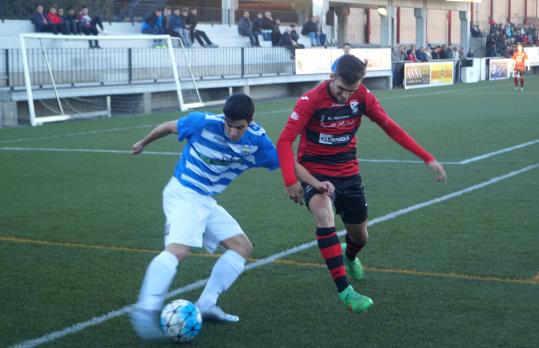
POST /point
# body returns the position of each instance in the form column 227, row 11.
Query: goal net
column 71, row 76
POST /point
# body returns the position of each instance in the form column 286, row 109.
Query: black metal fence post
column 242, row 61
column 6, row 51
column 129, row 65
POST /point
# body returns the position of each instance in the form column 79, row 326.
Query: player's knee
column 240, row 244
column 178, row 250
column 323, row 216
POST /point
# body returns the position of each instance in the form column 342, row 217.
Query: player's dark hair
column 350, row 69
column 239, row 106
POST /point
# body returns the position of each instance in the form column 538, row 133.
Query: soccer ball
column 181, row 321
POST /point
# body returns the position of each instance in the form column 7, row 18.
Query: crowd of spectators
column 180, row 23
column 502, row 38
column 268, row 28
column 67, row 22
column 401, row 55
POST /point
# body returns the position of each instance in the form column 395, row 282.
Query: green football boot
column 354, row 301
column 353, row 268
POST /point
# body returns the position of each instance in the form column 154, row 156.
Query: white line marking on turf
column 108, row 130
column 498, row 152
column 59, row 149
column 171, row 153
column 65, row 135
column 268, row 260
column 119, row 129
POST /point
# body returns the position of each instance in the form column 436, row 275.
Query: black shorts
column 349, row 198
column 519, row 73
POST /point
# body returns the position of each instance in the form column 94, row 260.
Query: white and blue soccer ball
column 181, row 321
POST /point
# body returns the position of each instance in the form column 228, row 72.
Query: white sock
column 225, row 272
column 157, row 280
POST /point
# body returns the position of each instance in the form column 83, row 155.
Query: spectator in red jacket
column 411, row 56
column 57, row 21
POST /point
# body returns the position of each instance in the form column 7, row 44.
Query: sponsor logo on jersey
column 354, row 105
column 331, row 139
column 304, row 97
column 294, row 116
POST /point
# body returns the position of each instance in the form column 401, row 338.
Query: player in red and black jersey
column 326, row 171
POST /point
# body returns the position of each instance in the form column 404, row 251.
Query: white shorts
column 194, row 219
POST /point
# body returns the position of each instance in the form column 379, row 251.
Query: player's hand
column 438, row 170
column 326, row 187
column 295, row 192
column 137, row 147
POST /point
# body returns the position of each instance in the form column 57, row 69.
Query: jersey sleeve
column 297, row 121
column 190, row 125
column 266, row 155
column 375, row 112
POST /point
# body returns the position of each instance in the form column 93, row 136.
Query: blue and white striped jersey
column 210, row 161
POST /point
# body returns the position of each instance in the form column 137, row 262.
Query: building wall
column 500, row 11
column 517, row 11
column 356, row 25
column 407, row 25
column 436, row 26
column 455, row 27
column 437, row 19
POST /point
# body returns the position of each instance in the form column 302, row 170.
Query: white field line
column 66, row 135
column 169, row 153
column 119, row 129
column 268, row 260
column 498, row 152
column 109, row 130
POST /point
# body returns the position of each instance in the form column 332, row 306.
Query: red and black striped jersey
column 328, row 133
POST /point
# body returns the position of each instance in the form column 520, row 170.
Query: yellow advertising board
column 417, row 75
column 441, row 73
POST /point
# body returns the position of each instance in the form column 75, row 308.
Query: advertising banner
column 533, row 55
column 441, row 73
column 417, row 75
column 500, row 69
column 320, row 60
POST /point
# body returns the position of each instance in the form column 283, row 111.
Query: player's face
column 342, row 91
column 234, row 130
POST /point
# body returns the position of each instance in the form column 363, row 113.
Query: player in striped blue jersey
column 219, row 148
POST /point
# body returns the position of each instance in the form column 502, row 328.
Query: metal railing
column 75, row 67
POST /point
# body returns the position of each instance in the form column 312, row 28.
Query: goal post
column 65, row 78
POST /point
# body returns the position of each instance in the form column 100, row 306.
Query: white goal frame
column 28, row 82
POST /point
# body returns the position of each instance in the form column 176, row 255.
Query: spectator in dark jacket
column 420, row 55
column 41, row 24
column 257, row 23
column 178, row 29
column 245, row 28
column 199, row 35
column 267, row 21
column 288, row 42
column 72, row 21
column 313, row 31
column 276, row 32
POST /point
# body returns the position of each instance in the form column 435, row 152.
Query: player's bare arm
column 158, row 132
